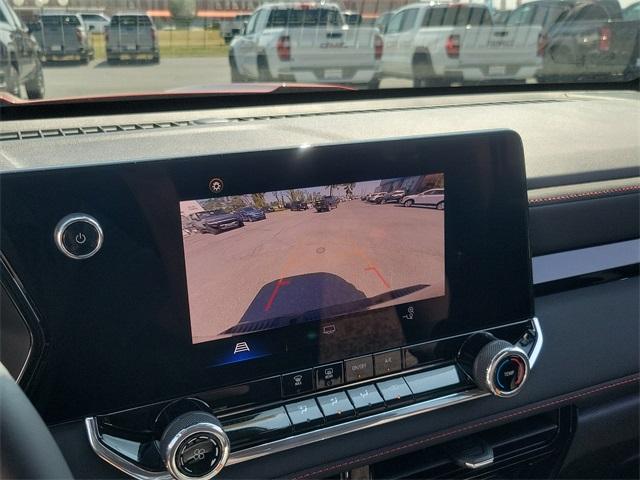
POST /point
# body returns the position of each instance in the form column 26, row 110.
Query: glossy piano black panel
column 117, row 324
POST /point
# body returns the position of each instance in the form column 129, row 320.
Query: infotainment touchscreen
column 273, row 259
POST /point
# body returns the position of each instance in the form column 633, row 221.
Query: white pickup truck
column 439, row 44
column 308, row 43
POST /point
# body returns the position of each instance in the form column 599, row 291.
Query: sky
column 360, row 189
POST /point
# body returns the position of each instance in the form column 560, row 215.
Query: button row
column 338, row 406
column 336, row 374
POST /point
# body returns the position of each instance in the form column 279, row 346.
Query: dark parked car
column 591, row 41
column 251, row 214
column 395, row 196
column 217, row 221
column 352, row 18
column 19, row 56
column 325, row 204
column 298, row 206
column 322, row 205
column 63, row 37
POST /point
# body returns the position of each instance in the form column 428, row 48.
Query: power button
column 78, row 236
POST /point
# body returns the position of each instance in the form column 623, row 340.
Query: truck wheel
column 85, row 60
column 13, row 81
column 423, row 75
column 156, row 58
column 373, row 84
column 35, row 85
column 236, row 77
column 264, row 75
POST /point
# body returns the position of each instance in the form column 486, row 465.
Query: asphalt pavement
column 358, row 256
column 100, row 78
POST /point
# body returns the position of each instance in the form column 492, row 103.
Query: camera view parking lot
column 52, row 48
column 302, row 255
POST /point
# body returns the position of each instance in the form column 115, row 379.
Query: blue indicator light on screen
column 240, row 352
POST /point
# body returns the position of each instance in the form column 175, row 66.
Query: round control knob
column 194, row 446
column 495, row 365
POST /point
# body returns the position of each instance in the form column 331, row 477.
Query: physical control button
column 425, row 382
column 194, row 446
column 329, row 375
column 387, row 362
column 358, row 368
column 304, row 414
column 336, row 406
column 495, row 365
column 78, row 236
column 395, row 391
column 366, row 399
column 297, row 383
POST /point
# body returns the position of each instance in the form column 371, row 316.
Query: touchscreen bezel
column 488, row 278
column 124, row 312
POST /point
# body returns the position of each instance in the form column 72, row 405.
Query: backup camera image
column 268, row 260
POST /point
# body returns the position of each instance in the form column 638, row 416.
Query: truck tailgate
column 131, row 34
column 60, row 34
column 331, row 48
column 498, row 46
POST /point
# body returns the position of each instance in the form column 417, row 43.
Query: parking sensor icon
column 241, row 347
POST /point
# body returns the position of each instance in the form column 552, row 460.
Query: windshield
column 57, row 20
column 93, row 48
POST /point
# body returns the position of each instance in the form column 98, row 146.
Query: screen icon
column 216, row 185
column 329, row 329
column 241, row 347
column 409, row 315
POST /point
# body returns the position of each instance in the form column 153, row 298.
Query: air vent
column 528, row 448
column 65, row 132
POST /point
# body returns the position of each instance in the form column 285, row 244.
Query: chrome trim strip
column 307, row 438
column 557, row 266
column 376, row 420
column 118, row 461
column 537, row 347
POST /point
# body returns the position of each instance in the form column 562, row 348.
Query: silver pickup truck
column 132, row 36
column 305, row 43
column 63, row 37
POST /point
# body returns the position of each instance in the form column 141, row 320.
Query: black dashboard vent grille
column 528, row 448
column 66, row 132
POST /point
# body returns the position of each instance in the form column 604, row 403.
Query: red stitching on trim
column 463, row 429
column 595, row 193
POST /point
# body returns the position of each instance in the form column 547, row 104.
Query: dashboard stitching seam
column 469, row 427
column 574, row 196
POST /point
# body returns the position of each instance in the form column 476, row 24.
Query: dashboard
column 283, row 291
